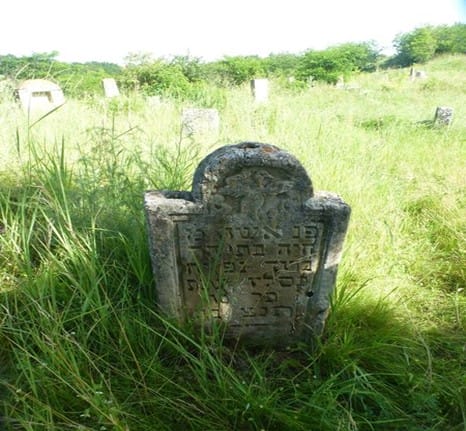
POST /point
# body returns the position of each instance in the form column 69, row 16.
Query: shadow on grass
column 80, row 321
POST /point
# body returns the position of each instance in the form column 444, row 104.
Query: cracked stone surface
column 251, row 247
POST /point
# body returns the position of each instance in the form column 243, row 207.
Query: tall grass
column 81, row 344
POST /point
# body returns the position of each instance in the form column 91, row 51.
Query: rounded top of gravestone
column 230, row 160
column 38, row 85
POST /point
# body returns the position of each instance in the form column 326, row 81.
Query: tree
column 191, row 67
column 361, row 57
column 156, row 77
column 451, row 39
column 417, row 46
column 341, row 60
column 282, row 64
column 237, row 70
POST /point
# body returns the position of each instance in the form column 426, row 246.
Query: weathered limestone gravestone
column 420, row 74
column 110, row 87
column 35, row 94
column 260, row 90
column 251, row 247
column 443, row 116
column 199, row 121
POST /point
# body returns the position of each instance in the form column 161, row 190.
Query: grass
column 81, row 345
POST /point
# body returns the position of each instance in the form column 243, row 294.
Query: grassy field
column 81, row 344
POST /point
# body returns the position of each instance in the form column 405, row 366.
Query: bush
column 237, row 70
column 451, row 40
column 156, row 78
column 337, row 61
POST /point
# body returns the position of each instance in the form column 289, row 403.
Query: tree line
column 187, row 77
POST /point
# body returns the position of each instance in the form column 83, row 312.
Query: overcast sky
column 107, row 30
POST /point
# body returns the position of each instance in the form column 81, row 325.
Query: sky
column 108, row 30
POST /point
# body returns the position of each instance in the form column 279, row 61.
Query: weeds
column 83, row 347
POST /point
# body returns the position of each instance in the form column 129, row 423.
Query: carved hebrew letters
column 250, row 248
column 269, row 267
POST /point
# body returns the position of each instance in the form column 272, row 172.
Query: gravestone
column 110, row 87
column 154, row 101
column 413, row 74
column 251, row 248
column 260, row 90
column 443, row 116
column 340, row 84
column 40, row 94
column 199, row 121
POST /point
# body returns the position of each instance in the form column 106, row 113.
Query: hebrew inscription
column 270, row 268
column 251, row 247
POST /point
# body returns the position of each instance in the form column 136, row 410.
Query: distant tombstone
column 40, row 94
column 340, row 84
column 154, row 101
column 251, row 247
column 199, row 121
column 415, row 74
column 260, row 90
column 443, row 116
column 412, row 73
column 110, row 87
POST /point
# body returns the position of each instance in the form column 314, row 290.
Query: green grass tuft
column 81, row 344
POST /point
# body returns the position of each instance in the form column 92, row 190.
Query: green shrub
column 342, row 60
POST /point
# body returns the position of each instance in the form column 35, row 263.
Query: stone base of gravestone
column 251, row 249
column 198, row 121
column 443, row 116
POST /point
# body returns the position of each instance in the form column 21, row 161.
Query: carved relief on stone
column 251, row 247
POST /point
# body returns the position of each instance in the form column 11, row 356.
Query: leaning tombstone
column 40, row 94
column 199, row 121
column 251, row 249
column 260, row 90
column 110, row 87
column 421, row 74
column 443, row 116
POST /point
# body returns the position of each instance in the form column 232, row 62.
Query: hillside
column 82, row 345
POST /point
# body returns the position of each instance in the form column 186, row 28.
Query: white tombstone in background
column 260, row 90
column 200, row 121
column 340, row 84
column 40, row 94
column 154, row 101
column 110, row 87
